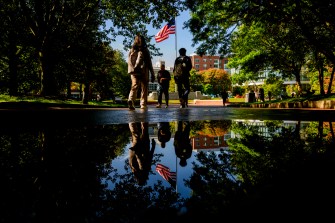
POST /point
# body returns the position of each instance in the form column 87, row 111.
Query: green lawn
column 42, row 100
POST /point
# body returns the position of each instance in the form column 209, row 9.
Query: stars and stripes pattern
column 163, row 34
column 165, row 172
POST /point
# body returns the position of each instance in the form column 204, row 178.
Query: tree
column 61, row 40
column 257, row 48
column 213, row 24
column 216, row 80
column 196, row 81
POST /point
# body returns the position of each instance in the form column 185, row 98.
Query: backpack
column 137, row 65
column 181, row 68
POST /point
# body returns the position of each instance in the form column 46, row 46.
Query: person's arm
column 150, row 67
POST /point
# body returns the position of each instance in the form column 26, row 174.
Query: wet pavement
column 59, row 115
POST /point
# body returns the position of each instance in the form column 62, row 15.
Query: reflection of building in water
column 264, row 130
column 209, row 143
column 201, row 142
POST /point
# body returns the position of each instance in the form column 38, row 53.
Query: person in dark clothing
column 183, row 80
column 164, row 133
column 261, row 94
column 140, row 154
column 163, row 78
column 182, row 144
column 269, row 95
column 224, row 95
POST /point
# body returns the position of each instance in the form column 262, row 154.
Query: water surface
column 96, row 171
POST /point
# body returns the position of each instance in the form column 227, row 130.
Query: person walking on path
column 163, row 78
column 181, row 72
column 139, row 66
column 224, row 95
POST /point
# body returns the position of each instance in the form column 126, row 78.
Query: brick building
column 207, row 62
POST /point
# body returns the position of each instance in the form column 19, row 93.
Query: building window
column 204, row 60
column 197, row 60
column 152, row 86
column 197, row 66
column 205, row 66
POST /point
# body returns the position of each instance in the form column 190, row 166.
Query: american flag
column 164, row 33
column 165, row 172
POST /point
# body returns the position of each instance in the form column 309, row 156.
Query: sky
column 169, row 47
column 168, row 159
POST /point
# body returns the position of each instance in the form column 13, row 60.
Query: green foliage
column 238, row 90
column 264, row 35
column 215, row 81
column 196, row 81
column 274, row 85
column 42, row 54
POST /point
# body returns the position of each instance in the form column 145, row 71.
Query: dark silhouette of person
column 164, row 133
column 183, row 81
column 261, row 94
column 182, row 144
column 224, row 96
column 163, row 78
column 140, row 154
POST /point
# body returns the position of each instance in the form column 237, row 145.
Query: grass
column 6, row 99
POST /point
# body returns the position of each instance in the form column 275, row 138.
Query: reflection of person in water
column 140, row 155
column 182, row 145
column 164, row 133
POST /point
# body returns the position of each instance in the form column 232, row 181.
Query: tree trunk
column 86, row 93
column 329, row 91
column 321, row 78
column 48, row 82
column 298, row 81
column 13, row 61
column 68, row 89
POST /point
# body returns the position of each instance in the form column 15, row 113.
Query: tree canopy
column 290, row 29
column 47, row 45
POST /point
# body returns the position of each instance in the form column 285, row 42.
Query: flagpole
column 175, row 20
column 176, row 176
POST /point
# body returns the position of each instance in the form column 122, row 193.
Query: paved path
column 88, row 116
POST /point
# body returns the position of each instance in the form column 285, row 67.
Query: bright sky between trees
column 168, row 46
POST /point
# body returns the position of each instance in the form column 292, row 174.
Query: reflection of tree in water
column 130, row 202
column 57, row 175
column 269, row 177
column 53, row 175
column 212, row 128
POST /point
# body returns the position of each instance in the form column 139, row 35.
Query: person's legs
column 160, row 95
column 166, row 94
column 186, row 83
column 135, row 83
column 180, row 90
column 144, row 92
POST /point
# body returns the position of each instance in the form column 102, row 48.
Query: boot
column 182, row 103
